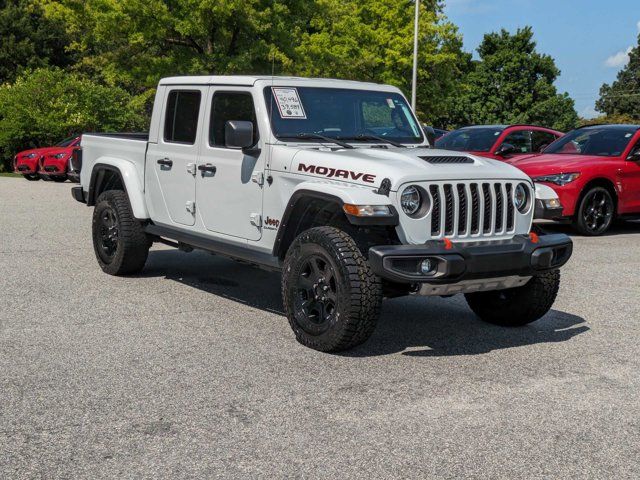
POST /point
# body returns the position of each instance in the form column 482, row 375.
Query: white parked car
column 330, row 182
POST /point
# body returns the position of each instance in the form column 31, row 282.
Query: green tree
column 513, row 83
column 28, row 39
column 372, row 40
column 133, row 43
column 622, row 97
column 45, row 105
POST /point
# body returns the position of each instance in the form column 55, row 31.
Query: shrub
column 46, row 105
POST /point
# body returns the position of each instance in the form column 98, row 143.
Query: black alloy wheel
column 316, row 294
column 596, row 212
column 108, row 227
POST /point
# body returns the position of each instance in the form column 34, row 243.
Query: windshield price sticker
column 289, row 104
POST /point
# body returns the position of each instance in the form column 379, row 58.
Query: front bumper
column 521, row 256
column 544, row 212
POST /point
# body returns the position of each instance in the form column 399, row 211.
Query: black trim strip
column 220, row 247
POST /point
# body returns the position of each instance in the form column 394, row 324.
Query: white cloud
column 589, row 113
column 619, row 59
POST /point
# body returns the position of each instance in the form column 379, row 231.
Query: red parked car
column 56, row 164
column 595, row 170
column 29, row 162
column 499, row 142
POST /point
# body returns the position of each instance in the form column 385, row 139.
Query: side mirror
column 430, row 134
column 634, row 156
column 238, row 134
column 505, row 149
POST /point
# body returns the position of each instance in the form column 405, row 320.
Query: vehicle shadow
column 413, row 325
column 618, row 228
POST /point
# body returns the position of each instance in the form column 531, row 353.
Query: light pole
column 414, row 83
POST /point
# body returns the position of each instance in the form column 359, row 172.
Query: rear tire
column 32, row 177
column 59, row 178
column 331, row 297
column 119, row 241
column 515, row 307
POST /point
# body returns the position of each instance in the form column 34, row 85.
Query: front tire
column 515, row 307
column 32, row 177
column 331, row 297
column 59, row 178
column 119, row 241
column 595, row 212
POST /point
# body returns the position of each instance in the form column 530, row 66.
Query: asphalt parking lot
column 190, row 370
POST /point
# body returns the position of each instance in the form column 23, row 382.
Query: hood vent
column 448, row 159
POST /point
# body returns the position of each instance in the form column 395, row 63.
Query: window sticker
column 289, row 104
column 390, row 103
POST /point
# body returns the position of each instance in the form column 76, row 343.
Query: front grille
column 471, row 209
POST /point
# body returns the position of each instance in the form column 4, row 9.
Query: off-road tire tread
column 133, row 244
column 528, row 304
column 364, row 287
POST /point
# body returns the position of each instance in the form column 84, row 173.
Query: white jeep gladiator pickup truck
column 330, row 182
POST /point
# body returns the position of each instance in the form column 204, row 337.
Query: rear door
column 540, row 139
column 229, row 182
column 172, row 160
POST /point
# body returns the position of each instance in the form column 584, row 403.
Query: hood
column 547, row 164
column 39, row 151
column 56, row 150
column 369, row 166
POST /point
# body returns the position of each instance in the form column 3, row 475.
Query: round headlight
column 521, row 197
column 410, row 200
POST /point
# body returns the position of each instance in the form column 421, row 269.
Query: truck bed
column 125, row 147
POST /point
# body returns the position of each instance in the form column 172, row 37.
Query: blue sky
column 587, row 38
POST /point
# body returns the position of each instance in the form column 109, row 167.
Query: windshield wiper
column 317, row 136
column 367, row 136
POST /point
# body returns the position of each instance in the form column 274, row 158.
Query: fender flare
column 131, row 181
column 339, row 195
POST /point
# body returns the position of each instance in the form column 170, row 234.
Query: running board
column 219, row 247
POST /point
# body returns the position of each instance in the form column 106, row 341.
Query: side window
column 181, row 118
column 540, row 139
column 521, row 140
column 230, row 106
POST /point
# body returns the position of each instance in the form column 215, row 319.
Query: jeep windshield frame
column 353, row 115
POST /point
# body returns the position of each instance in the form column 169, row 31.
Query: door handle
column 165, row 162
column 208, row 168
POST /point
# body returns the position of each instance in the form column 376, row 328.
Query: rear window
column 181, row 118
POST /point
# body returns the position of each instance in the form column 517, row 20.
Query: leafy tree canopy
column 513, row 83
column 622, row 97
column 28, row 39
column 372, row 40
column 45, row 105
column 133, row 43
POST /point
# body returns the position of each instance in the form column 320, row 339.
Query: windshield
column 66, row 142
column 470, row 139
column 605, row 141
column 344, row 114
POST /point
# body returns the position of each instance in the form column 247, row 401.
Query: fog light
column 428, row 267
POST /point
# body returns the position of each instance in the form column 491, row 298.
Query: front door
column 172, row 161
column 630, row 179
column 229, row 181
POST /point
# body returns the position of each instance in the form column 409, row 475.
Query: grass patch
column 9, row 174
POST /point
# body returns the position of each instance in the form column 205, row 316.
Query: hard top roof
column 250, row 80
